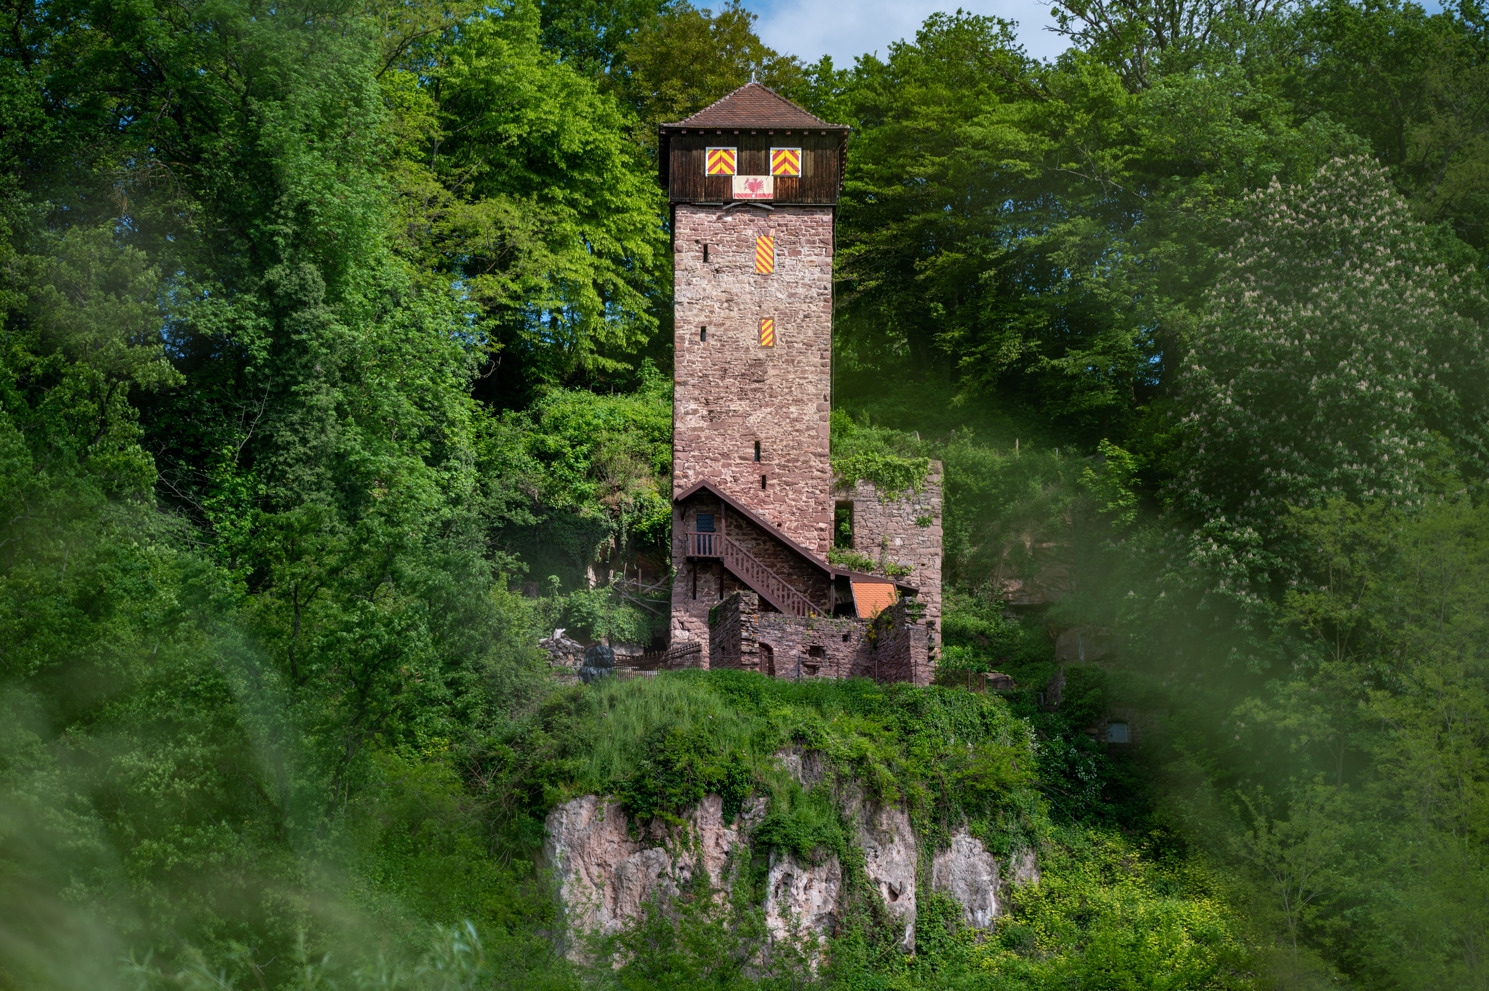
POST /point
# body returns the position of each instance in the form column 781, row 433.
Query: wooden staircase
column 753, row 572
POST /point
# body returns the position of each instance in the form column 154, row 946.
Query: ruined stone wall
column 841, row 645
column 888, row 528
column 903, row 649
column 734, row 632
column 798, row 647
column 729, row 391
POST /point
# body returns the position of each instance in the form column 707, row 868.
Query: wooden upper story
column 749, row 125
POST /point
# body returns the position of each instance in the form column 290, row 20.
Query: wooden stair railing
column 705, row 545
column 753, row 572
column 771, row 586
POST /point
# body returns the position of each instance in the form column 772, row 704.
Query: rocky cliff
column 607, row 868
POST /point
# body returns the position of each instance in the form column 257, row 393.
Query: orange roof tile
column 872, row 598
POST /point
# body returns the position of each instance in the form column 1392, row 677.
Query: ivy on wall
column 891, row 475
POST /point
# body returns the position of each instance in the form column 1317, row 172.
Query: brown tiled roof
column 754, row 106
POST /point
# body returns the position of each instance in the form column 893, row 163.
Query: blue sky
column 813, row 28
column 810, row 29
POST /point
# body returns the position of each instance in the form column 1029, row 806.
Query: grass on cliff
column 1113, row 909
column 663, row 743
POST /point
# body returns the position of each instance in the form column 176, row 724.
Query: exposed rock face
column 605, row 877
column 969, row 874
column 802, row 899
column 1082, row 645
column 806, row 768
column 972, row 877
column 1024, row 868
column 890, row 856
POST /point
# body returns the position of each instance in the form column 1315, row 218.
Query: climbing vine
column 891, row 474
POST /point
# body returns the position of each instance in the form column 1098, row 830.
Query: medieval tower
column 753, row 183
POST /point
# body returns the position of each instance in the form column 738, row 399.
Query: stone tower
column 753, row 181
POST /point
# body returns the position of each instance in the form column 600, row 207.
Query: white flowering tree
column 1336, row 356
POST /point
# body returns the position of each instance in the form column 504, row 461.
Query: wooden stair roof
column 775, row 533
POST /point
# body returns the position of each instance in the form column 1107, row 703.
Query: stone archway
column 767, row 660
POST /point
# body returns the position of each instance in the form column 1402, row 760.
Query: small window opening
column 703, row 334
column 842, row 525
column 705, row 254
column 705, row 522
column 695, row 581
column 757, row 450
column 811, row 669
column 845, row 638
column 816, row 651
column 762, row 481
column 1116, row 732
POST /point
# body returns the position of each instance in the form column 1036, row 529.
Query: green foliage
column 905, row 745
column 1036, row 236
column 1101, row 917
column 858, row 454
column 687, row 57
column 845, row 557
column 322, row 324
column 517, row 181
column 1333, row 354
column 677, row 768
column 807, row 823
column 1113, row 485
column 890, row 475
column 985, row 640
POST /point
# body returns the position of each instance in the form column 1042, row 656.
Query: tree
column 1037, row 236
column 517, row 181
column 685, row 59
column 1409, row 82
column 1145, row 40
column 1334, row 357
column 590, row 33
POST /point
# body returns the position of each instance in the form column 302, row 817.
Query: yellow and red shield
column 767, row 332
column 765, row 254
column 720, row 161
column 785, row 161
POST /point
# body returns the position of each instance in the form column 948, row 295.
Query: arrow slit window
column 720, row 161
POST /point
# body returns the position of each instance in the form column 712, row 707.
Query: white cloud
column 810, row 29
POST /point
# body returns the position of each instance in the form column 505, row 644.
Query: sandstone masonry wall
column 903, row 650
column 734, row 632
column 730, row 392
column 889, row 528
column 798, row 647
column 700, row 584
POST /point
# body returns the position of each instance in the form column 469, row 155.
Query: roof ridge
column 733, row 94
